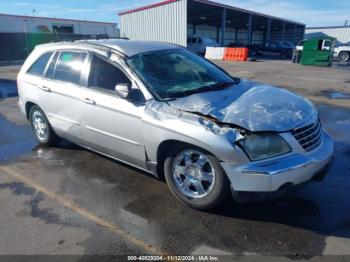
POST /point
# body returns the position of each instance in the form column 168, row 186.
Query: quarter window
column 69, row 66
column 51, row 70
column 38, row 68
column 105, row 75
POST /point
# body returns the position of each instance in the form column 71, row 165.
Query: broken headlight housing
column 260, row 146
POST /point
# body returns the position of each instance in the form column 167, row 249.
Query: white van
column 198, row 44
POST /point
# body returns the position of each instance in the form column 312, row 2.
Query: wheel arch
column 28, row 106
column 344, row 51
column 165, row 146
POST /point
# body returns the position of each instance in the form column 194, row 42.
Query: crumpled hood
column 251, row 105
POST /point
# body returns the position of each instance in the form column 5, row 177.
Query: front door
column 113, row 125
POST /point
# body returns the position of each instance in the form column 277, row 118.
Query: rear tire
column 284, row 55
column 344, row 56
column 195, row 177
column 41, row 127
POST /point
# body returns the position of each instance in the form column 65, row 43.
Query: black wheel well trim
column 164, row 146
column 28, row 106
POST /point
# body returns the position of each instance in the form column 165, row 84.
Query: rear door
column 31, row 84
column 113, row 125
column 63, row 105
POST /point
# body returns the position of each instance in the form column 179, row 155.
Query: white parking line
column 84, row 212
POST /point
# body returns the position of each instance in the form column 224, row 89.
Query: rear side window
column 69, row 66
column 38, row 68
column 104, row 75
column 51, row 70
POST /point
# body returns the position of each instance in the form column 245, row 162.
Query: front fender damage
column 161, row 111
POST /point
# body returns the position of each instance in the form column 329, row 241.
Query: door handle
column 89, row 101
column 45, row 88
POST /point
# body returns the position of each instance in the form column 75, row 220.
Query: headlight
column 261, row 146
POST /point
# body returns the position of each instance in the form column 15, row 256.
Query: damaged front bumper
column 271, row 178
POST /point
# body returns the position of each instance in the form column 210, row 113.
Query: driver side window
column 105, row 76
column 273, row 45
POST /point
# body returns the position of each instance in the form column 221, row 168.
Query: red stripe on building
column 148, row 7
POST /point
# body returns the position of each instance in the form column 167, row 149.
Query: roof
column 130, row 48
column 329, row 27
column 209, row 3
column 126, row 47
column 147, row 7
column 230, row 7
column 59, row 19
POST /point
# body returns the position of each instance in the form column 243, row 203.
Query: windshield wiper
column 217, row 86
column 214, row 87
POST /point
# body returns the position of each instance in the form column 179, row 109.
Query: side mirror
column 123, row 90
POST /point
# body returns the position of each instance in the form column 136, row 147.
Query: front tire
column 344, row 56
column 195, row 177
column 42, row 128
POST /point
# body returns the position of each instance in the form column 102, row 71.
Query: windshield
column 282, row 44
column 210, row 41
column 177, row 73
column 288, row 44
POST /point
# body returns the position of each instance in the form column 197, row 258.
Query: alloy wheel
column 193, row 174
column 344, row 56
column 40, row 126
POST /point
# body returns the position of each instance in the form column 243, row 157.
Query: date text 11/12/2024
column 173, row 258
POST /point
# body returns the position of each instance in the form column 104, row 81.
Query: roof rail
column 99, row 46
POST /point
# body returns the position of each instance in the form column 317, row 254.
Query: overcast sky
column 310, row 12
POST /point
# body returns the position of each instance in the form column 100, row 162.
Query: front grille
column 310, row 136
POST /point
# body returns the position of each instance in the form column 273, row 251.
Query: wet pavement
column 8, row 88
column 336, row 95
column 68, row 200
column 306, row 223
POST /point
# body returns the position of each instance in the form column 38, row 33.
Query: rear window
column 38, row 68
column 69, row 66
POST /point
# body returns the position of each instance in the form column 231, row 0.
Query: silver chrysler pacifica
column 169, row 112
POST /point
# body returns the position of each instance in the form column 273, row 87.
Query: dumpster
column 318, row 51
